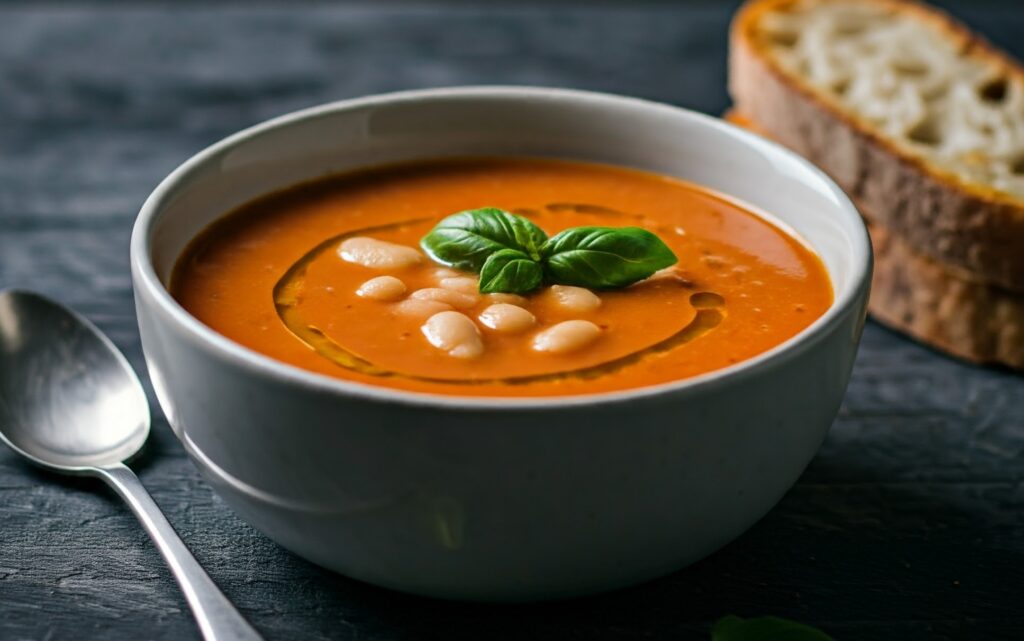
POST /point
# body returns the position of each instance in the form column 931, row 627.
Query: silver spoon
column 71, row 403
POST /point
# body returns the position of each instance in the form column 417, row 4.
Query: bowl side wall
column 500, row 505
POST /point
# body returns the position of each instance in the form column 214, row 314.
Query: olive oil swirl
column 288, row 292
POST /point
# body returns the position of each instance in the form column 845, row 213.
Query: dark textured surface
column 908, row 525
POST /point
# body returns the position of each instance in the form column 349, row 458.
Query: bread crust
column 924, row 299
column 936, row 213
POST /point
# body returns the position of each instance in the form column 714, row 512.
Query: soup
column 331, row 276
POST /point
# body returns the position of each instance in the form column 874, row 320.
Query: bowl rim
column 145, row 277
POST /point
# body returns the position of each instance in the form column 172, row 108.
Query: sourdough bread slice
column 916, row 118
column 918, row 296
column 939, row 305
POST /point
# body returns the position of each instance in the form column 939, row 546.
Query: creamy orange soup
column 284, row 276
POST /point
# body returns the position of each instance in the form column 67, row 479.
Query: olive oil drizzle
column 289, row 290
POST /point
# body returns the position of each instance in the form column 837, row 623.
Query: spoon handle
column 217, row 618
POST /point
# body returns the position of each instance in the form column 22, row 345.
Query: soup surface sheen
column 273, row 276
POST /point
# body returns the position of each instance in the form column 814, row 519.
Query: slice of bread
column 937, row 304
column 916, row 118
column 921, row 297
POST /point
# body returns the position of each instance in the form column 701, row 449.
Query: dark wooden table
column 908, row 525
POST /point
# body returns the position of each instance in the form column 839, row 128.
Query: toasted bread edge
column 935, row 215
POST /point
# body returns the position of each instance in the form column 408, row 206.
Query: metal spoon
column 71, row 403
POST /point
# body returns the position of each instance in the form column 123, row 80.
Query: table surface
column 908, row 524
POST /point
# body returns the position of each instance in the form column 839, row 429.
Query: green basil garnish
column 604, row 257
column 465, row 240
column 733, row 628
column 510, row 271
column 513, row 255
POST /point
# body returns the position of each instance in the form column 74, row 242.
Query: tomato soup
column 330, row 276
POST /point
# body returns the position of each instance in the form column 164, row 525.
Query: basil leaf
column 510, row 271
column 465, row 240
column 733, row 628
column 604, row 257
column 514, row 255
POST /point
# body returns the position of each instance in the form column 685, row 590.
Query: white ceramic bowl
column 498, row 499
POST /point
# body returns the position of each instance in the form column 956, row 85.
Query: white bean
column 455, row 334
column 502, row 317
column 457, row 300
column 511, row 299
column 386, row 288
column 420, row 309
column 669, row 274
column 567, row 336
column 445, row 272
column 666, row 273
column 575, row 299
column 461, row 284
column 378, row 254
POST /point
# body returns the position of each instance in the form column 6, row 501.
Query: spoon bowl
column 70, row 401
